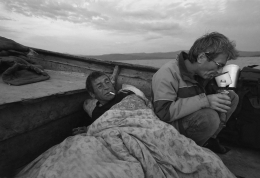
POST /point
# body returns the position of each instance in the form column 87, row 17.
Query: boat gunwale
column 97, row 61
column 42, row 98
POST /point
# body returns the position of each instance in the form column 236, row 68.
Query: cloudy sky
column 93, row 27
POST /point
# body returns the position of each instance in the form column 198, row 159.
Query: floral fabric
column 128, row 141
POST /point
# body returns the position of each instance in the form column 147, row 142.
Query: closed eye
column 99, row 86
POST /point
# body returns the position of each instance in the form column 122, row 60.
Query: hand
column 79, row 130
column 219, row 102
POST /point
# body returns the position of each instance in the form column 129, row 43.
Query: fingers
column 225, row 102
column 78, row 130
column 223, row 106
column 222, row 109
column 219, row 102
column 223, row 96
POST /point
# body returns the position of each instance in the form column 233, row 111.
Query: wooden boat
column 36, row 116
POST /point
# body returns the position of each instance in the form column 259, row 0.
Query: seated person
column 179, row 94
column 100, row 87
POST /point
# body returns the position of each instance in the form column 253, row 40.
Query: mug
column 233, row 71
column 223, row 78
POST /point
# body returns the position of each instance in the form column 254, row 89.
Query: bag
column 243, row 128
column 18, row 70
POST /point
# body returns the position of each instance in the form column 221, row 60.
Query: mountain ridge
column 156, row 55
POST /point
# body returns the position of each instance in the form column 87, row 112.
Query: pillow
column 89, row 105
column 133, row 89
column 138, row 93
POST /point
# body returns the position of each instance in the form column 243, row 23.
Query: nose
column 106, row 86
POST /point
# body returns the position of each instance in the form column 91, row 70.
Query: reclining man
column 101, row 88
column 179, row 95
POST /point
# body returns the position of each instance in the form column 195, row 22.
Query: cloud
column 63, row 10
column 6, row 29
column 235, row 14
column 104, row 15
column 136, row 24
column 4, row 18
column 141, row 17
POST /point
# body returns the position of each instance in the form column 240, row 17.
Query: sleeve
column 167, row 105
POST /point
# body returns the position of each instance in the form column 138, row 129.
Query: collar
column 186, row 75
column 98, row 104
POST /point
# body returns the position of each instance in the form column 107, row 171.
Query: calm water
column 241, row 62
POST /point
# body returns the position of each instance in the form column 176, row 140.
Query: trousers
column 206, row 123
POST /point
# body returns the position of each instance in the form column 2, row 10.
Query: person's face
column 211, row 68
column 101, row 87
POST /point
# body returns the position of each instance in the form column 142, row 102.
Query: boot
column 214, row 145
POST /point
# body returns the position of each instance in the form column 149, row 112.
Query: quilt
column 128, row 141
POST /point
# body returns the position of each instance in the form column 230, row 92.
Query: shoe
column 214, row 145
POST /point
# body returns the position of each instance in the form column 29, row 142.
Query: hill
column 249, row 53
column 158, row 55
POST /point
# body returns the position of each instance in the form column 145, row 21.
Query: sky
column 95, row 27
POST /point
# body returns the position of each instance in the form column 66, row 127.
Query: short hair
column 93, row 76
column 215, row 43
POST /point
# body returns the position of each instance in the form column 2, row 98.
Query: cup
column 223, row 78
column 233, row 71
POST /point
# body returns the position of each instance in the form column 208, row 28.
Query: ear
column 201, row 58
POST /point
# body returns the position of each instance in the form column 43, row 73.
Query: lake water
column 241, row 62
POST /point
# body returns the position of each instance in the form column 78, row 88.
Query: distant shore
column 156, row 56
column 240, row 61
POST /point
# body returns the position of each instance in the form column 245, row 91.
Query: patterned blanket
column 128, row 141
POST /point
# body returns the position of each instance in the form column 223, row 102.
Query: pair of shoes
column 214, row 145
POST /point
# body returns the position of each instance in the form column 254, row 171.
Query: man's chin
column 110, row 97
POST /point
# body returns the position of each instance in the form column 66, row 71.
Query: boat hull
column 35, row 118
column 33, row 126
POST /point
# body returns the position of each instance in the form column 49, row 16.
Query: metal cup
column 233, row 71
column 223, row 78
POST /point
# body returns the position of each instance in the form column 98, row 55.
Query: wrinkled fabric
column 128, row 141
column 20, row 70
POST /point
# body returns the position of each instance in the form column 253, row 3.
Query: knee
column 210, row 120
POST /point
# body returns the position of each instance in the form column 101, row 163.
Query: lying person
column 128, row 140
column 100, row 87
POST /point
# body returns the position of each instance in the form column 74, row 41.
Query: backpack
column 243, row 127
